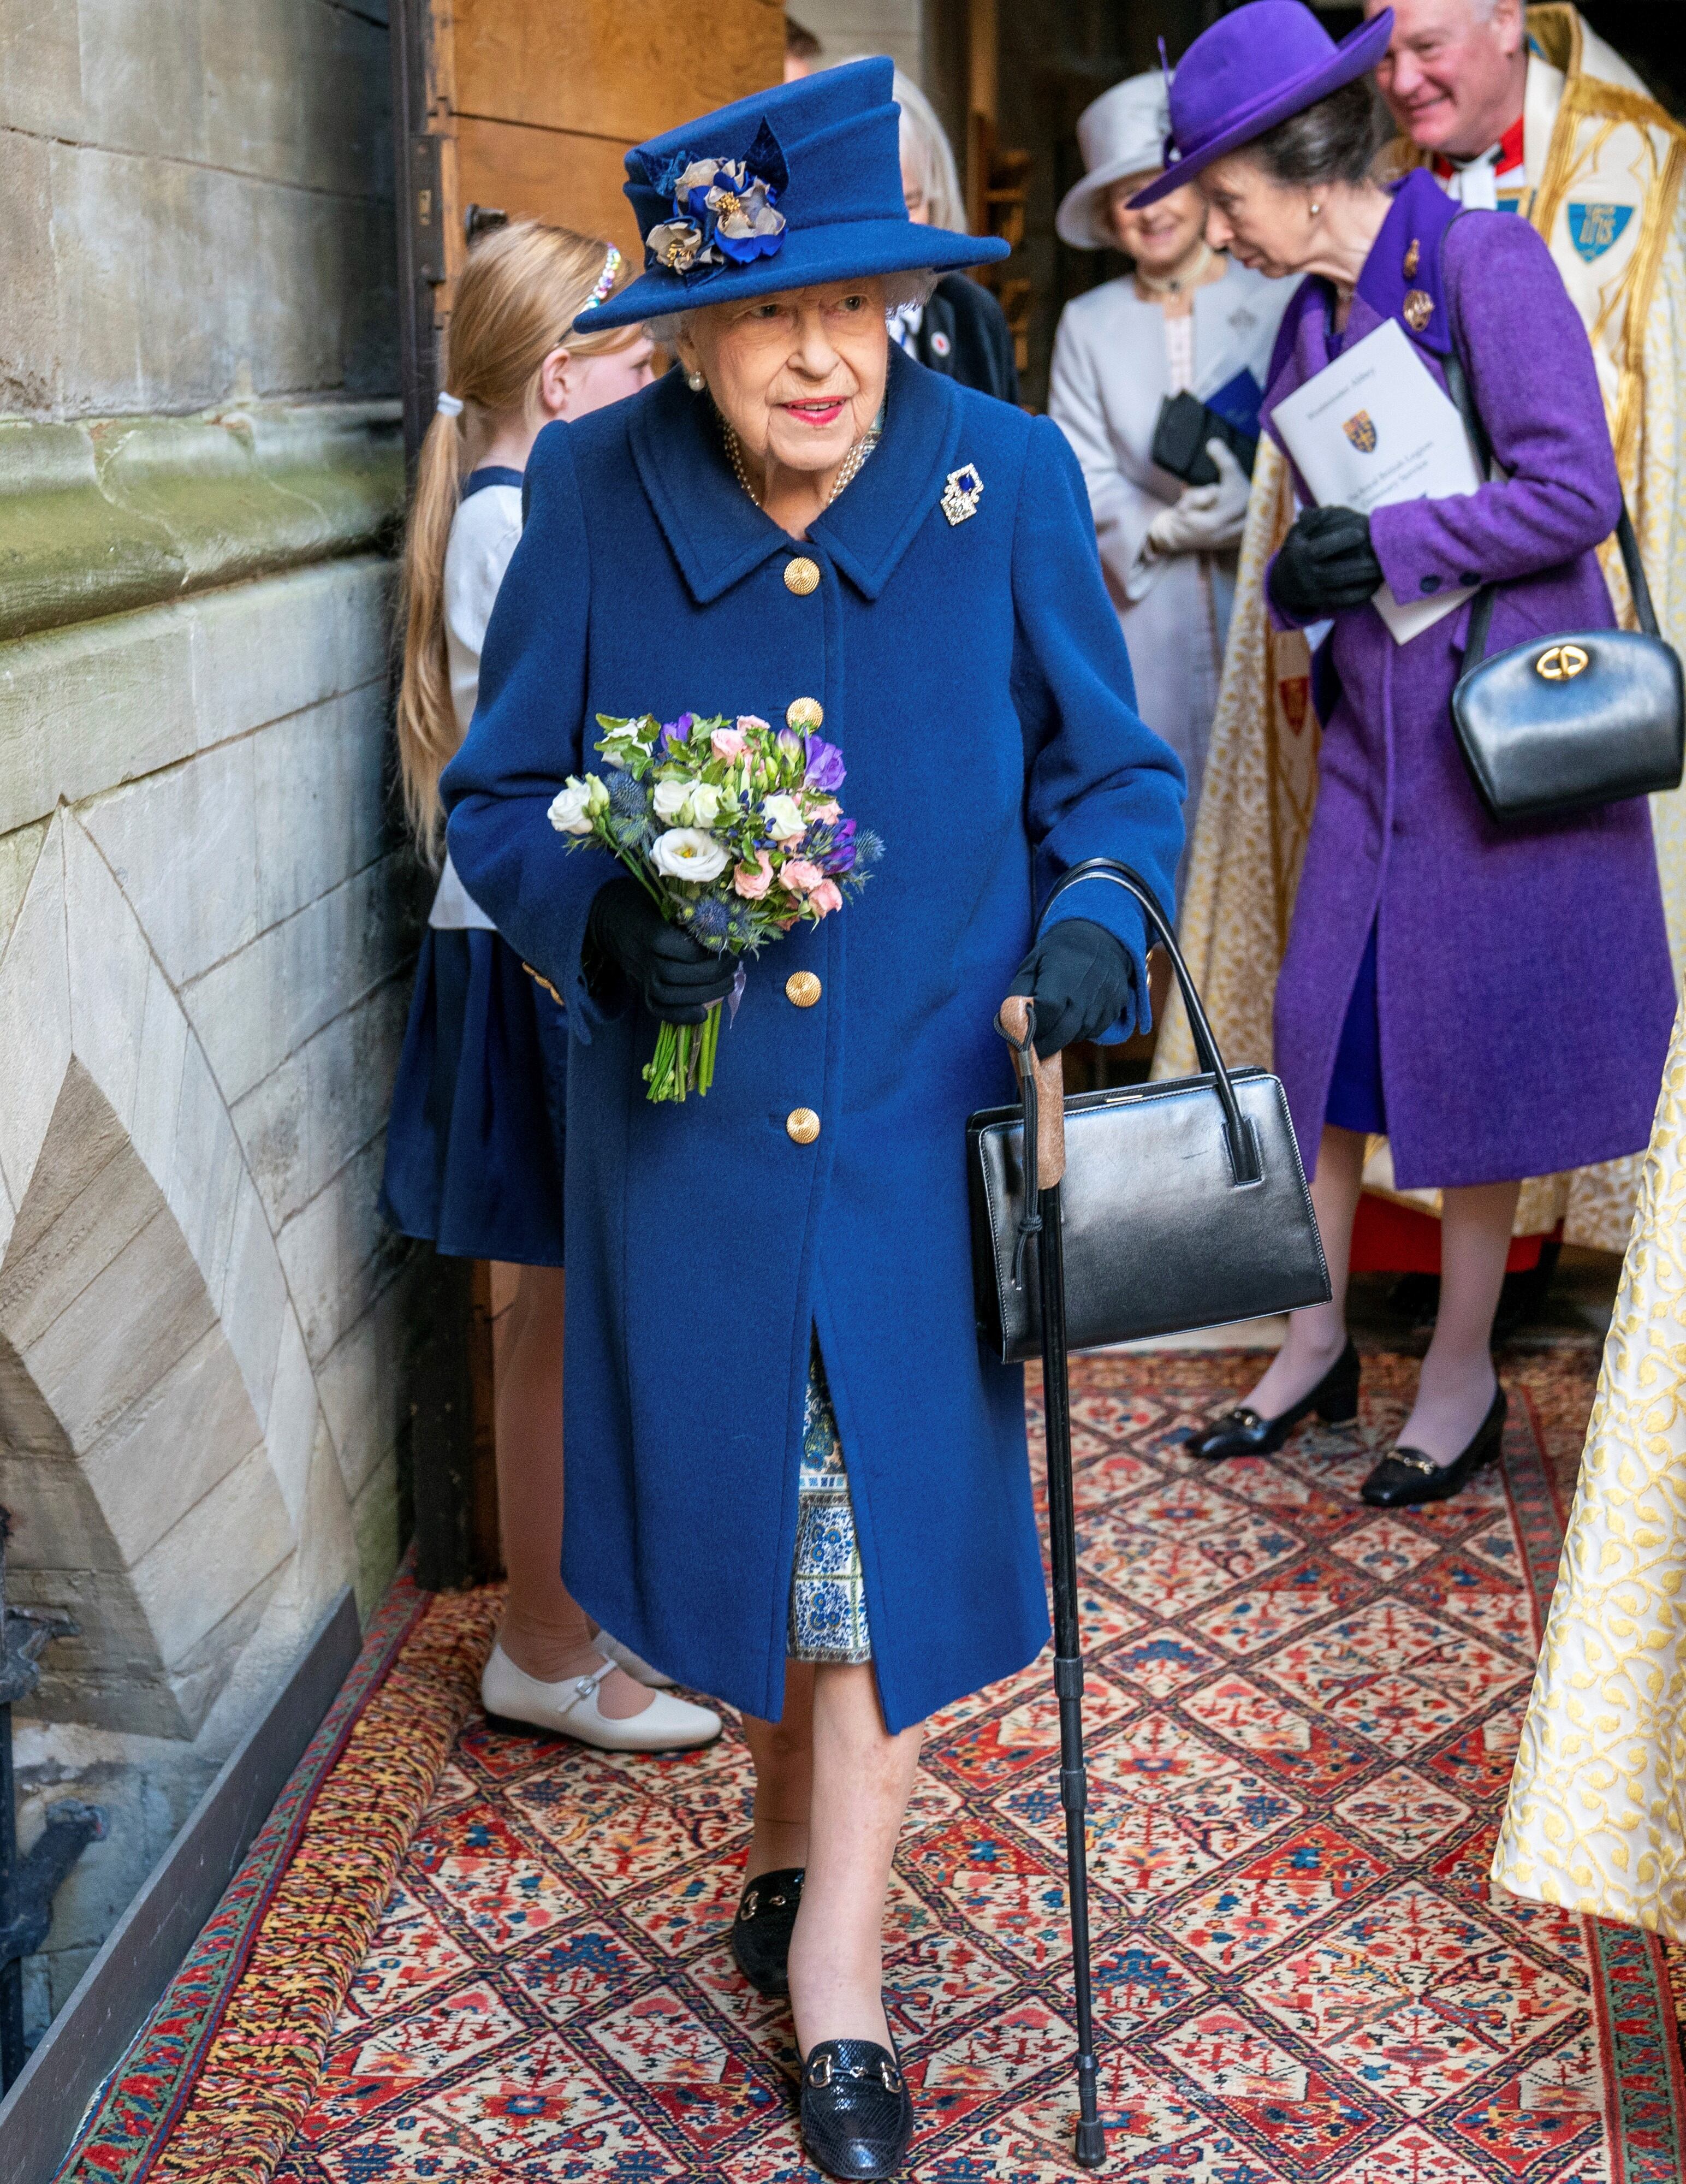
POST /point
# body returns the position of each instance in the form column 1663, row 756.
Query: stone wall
column 207, row 917
column 198, row 203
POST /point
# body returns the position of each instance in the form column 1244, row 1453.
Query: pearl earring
column 695, row 381
column 1316, row 208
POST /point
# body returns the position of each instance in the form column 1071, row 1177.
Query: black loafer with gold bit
column 1244, row 1433
column 761, row 1932
column 857, row 2114
column 1406, row 1476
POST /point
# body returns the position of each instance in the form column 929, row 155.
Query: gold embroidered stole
column 1605, row 206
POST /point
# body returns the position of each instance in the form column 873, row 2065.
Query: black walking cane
column 1043, row 1085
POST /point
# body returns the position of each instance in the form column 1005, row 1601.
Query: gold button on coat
column 804, row 713
column 803, row 1124
column 802, row 990
column 801, row 576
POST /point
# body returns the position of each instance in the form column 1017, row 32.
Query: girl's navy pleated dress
column 473, row 1147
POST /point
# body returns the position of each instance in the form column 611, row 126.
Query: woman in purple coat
column 1496, row 1001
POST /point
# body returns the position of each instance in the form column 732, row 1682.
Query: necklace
column 850, row 468
column 1174, row 286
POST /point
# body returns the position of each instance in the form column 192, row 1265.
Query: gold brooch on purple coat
column 1419, row 309
column 1413, row 258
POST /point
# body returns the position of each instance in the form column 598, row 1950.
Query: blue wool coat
column 974, row 677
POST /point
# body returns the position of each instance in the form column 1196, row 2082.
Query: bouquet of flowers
column 734, row 828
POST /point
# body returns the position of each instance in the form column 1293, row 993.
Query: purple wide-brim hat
column 1251, row 69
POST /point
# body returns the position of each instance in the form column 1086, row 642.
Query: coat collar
column 1410, row 237
column 719, row 536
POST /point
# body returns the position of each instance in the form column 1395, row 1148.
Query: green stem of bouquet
column 684, row 1058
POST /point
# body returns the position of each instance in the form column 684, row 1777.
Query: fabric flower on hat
column 676, row 244
column 723, row 209
column 734, row 206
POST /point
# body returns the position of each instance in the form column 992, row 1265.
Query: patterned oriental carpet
column 1302, row 1716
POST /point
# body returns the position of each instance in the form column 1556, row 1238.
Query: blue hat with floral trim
column 796, row 185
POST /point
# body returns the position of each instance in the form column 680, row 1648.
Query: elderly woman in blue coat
column 795, row 1478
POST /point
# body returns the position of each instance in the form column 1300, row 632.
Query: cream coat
column 1111, row 375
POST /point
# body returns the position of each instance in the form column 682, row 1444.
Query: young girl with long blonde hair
column 474, row 1149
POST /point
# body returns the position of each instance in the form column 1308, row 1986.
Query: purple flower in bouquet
column 826, row 766
column 672, row 732
column 840, row 856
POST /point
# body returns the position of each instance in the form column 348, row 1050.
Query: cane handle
column 1050, row 1087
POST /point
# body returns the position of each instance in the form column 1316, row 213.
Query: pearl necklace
column 1178, row 282
column 850, row 468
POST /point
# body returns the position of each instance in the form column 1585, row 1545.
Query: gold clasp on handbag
column 1562, row 663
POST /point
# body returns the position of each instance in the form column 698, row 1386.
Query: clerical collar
column 1509, row 150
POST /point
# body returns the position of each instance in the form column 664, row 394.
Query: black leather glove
column 675, row 977
column 1327, row 563
column 1080, row 977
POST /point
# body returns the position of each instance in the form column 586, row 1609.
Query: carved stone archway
column 160, row 1431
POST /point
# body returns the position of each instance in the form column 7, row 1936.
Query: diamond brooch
column 962, row 493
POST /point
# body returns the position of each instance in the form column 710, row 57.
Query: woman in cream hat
column 1185, row 318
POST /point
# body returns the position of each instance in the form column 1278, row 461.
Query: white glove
column 1208, row 518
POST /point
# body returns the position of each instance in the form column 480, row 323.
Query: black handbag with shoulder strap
column 1183, row 1203
column 1564, row 724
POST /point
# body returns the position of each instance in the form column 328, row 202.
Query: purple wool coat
column 1526, row 993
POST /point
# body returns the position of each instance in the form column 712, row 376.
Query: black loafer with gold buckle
column 857, row 2114
column 1407, row 1477
column 1243, row 1432
column 761, row 1932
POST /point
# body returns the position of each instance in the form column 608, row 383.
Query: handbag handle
column 1244, row 1159
column 1481, row 614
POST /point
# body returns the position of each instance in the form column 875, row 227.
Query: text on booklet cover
column 1373, row 428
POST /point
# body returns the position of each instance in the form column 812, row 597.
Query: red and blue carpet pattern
column 215, row 2080
column 1302, row 1717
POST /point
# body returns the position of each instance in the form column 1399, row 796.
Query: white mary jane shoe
column 570, row 1708
column 637, row 1666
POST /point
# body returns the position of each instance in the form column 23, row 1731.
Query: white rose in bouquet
column 783, row 816
column 670, row 796
column 572, row 806
column 686, row 853
column 702, row 806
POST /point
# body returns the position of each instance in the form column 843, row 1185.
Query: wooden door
column 528, row 106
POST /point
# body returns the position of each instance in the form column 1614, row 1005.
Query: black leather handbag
column 1180, row 432
column 1183, row 1205
column 1563, row 724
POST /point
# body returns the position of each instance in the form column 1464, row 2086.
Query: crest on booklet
column 1362, row 431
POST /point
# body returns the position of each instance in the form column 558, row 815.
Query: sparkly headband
column 605, row 281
